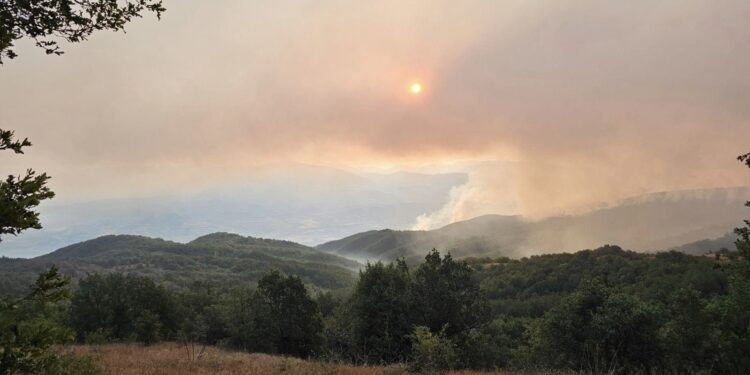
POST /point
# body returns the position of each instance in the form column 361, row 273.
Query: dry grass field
column 174, row 359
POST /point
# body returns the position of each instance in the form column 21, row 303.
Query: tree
column 446, row 297
column 46, row 21
column 250, row 323
column 201, row 315
column 20, row 195
column 745, row 159
column 493, row 345
column 689, row 339
column 381, row 313
column 148, row 327
column 25, row 333
column 598, row 330
column 431, row 352
column 122, row 307
column 448, row 301
column 743, row 242
column 298, row 321
column 278, row 317
column 732, row 311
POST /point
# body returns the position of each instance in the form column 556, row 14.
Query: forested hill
column 486, row 235
column 218, row 258
column 530, row 286
column 646, row 223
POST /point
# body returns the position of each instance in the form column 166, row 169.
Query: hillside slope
column 221, row 258
column 647, row 223
column 710, row 245
column 530, row 286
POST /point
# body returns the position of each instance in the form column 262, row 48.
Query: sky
column 549, row 107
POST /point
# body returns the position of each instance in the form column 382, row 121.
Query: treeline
column 380, row 321
column 612, row 311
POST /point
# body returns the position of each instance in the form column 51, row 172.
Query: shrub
column 147, row 328
column 71, row 364
column 432, row 352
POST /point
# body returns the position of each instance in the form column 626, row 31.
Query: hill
column 645, row 223
column 712, row 245
column 475, row 237
column 530, row 286
column 219, row 258
column 335, row 204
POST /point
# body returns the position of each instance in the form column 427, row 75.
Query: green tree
column 122, row 306
column 47, row 21
column 20, row 195
column 250, row 323
column 381, row 315
column 147, row 327
column 201, row 314
column 447, row 297
column 743, row 242
column 689, row 339
column 732, row 311
column 338, row 335
column 431, row 352
column 26, row 334
column 327, row 303
column 598, row 330
column 278, row 317
column 298, row 322
column 448, row 300
column 732, row 315
column 494, row 344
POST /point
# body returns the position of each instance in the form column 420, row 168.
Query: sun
column 415, row 88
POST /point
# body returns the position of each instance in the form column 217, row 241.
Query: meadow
column 174, row 358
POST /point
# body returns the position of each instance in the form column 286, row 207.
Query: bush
column 147, row 328
column 70, row 364
column 26, row 330
column 600, row 331
column 279, row 317
column 99, row 337
column 432, row 352
column 126, row 307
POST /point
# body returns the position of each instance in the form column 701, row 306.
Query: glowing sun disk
column 415, row 88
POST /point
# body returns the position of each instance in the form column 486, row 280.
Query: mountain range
column 696, row 222
column 652, row 222
column 331, row 204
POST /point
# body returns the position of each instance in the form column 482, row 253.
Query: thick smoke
column 599, row 101
column 583, row 101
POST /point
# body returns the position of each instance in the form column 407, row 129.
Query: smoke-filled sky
column 550, row 106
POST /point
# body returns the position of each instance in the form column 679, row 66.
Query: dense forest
column 600, row 311
column 222, row 258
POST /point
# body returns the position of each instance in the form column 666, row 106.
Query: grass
column 173, row 359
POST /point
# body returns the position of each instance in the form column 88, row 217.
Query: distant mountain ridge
column 332, row 204
column 690, row 221
column 709, row 245
column 645, row 223
column 220, row 258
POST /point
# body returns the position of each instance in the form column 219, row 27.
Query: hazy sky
column 551, row 106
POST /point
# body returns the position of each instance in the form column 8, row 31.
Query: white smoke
column 490, row 190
